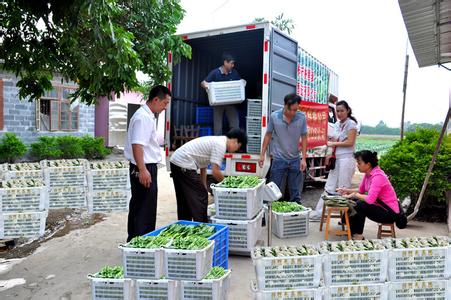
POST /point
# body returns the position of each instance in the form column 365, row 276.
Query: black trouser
column 192, row 197
column 373, row 212
column 142, row 214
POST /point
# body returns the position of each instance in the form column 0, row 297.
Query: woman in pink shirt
column 376, row 198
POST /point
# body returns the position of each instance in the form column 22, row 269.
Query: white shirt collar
column 147, row 109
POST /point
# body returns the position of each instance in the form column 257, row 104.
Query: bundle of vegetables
column 65, row 163
column 285, row 207
column 285, row 251
column 215, row 273
column 149, row 242
column 179, row 230
column 350, row 246
column 24, row 167
column 21, row 183
column 421, row 242
column 241, row 182
column 189, row 243
column 109, row 165
column 116, row 272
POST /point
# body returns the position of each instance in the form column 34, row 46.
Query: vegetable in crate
column 285, row 251
column 149, row 242
column 179, row 230
column 285, row 207
column 21, row 183
column 240, row 182
column 421, row 242
column 116, row 272
column 190, row 243
column 215, row 273
column 351, row 246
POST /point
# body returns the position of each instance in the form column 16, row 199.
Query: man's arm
column 216, row 172
column 203, row 176
column 304, row 152
column 266, row 141
column 144, row 176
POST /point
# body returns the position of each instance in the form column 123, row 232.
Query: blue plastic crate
column 221, row 238
column 204, row 131
column 204, row 115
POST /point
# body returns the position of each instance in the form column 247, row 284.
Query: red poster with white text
column 317, row 123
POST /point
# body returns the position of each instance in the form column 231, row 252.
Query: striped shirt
column 200, row 152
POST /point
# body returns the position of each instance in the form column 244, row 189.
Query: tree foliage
column 280, row 22
column 99, row 44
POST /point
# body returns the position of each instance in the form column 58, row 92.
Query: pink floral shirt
column 377, row 186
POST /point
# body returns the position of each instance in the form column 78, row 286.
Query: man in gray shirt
column 287, row 128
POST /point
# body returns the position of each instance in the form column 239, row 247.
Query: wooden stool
column 339, row 213
column 388, row 232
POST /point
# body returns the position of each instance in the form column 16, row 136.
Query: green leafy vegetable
column 284, row 207
column 149, row 242
column 190, row 243
column 240, row 182
column 215, row 273
column 179, row 230
column 116, row 272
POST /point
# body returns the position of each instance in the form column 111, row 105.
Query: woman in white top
column 343, row 143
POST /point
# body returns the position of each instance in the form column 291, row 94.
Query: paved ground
column 58, row 268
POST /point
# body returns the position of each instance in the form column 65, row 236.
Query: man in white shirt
column 143, row 152
column 190, row 187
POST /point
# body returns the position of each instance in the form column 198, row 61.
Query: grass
column 378, row 143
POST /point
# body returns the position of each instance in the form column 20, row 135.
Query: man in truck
column 287, row 128
column 190, row 187
column 226, row 72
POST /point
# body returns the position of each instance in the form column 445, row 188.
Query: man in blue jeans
column 287, row 128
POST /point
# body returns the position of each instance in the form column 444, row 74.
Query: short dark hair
column 367, row 156
column 291, row 99
column 239, row 134
column 227, row 57
column 159, row 91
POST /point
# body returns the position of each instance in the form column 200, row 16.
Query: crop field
column 378, row 143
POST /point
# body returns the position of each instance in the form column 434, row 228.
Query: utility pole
column 404, row 88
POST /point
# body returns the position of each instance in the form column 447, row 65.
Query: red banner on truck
column 317, row 123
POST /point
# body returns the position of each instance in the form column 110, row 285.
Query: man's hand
column 344, row 191
column 144, row 178
column 303, row 164
column 261, row 160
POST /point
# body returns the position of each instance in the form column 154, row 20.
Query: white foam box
column 226, row 92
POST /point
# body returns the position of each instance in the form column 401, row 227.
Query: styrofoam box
column 243, row 235
column 26, row 224
column 142, row 263
column 24, row 199
column 363, row 291
column 105, row 179
column 238, row 204
column 419, row 263
column 298, row 294
column 67, row 197
column 226, row 92
column 188, row 264
column 355, row 267
column 108, row 200
column 104, row 288
column 285, row 225
column 214, row 289
column 430, row 289
column 157, row 289
column 291, row 272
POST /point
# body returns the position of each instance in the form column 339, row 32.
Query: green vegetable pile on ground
column 116, row 272
column 421, row 242
column 215, row 273
column 149, row 242
column 178, row 230
column 285, row 207
column 350, row 246
column 285, row 251
column 190, row 243
column 240, row 182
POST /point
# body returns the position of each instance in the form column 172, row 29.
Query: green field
column 378, row 143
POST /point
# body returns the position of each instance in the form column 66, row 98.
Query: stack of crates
column 23, row 201
column 204, row 119
column 290, row 224
column 241, row 209
column 66, row 181
column 108, row 186
column 254, row 125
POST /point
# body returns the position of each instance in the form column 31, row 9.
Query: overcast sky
column 363, row 41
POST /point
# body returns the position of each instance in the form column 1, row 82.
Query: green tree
column 11, row 148
column 100, row 44
column 280, row 22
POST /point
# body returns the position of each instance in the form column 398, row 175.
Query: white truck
column 273, row 65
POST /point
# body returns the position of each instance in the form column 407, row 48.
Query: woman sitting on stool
column 376, row 198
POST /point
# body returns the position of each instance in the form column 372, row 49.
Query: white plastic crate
column 67, row 197
column 243, row 235
column 142, row 263
column 254, row 108
column 238, row 204
column 292, row 294
column 226, row 92
column 103, row 288
column 419, row 263
column 24, row 199
column 64, row 175
column 288, row 272
column 377, row 291
column 105, row 179
column 254, row 144
column 214, row 289
column 157, row 289
column 188, row 264
column 18, row 171
column 26, row 224
column 108, row 200
column 355, row 267
column 421, row 290
column 253, row 126
column 286, row 225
